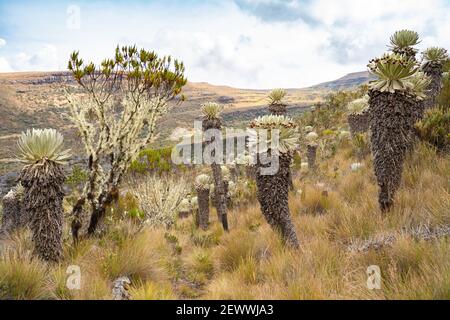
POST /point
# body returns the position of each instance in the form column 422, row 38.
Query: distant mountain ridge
column 37, row 100
column 348, row 81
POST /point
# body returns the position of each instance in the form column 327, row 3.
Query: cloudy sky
column 241, row 43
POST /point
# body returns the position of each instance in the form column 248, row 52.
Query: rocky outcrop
column 420, row 233
column 120, row 289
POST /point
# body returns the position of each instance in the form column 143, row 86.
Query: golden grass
column 21, row 275
column 250, row 262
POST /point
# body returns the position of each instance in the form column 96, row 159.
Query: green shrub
column 444, row 97
column 127, row 206
column 434, row 128
column 331, row 112
column 157, row 161
column 297, row 161
column 361, row 145
column 77, row 177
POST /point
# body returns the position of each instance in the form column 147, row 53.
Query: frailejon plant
column 359, row 105
column 184, row 208
column 276, row 103
column 42, row 178
column 308, row 129
column 194, row 206
column 211, row 120
column 202, row 183
column 393, row 72
column 394, row 100
column 13, row 217
column 227, row 178
column 116, row 117
column 444, row 97
column 311, row 149
column 434, row 59
column 211, row 111
column 358, row 116
column 278, row 107
column 403, row 42
column 273, row 189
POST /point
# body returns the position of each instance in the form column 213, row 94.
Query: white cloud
column 44, row 58
column 5, row 66
column 250, row 43
column 2, row 42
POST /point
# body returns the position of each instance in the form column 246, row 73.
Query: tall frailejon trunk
column 250, row 172
column 226, row 191
column 203, row 208
column 358, row 122
column 290, row 175
column 311, row 154
column 408, row 52
column 434, row 71
column 273, row 193
column 43, row 197
column 234, row 171
column 278, row 109
column 220, row 200
column 195, row 214
column 183, row 214
column 391, row 126
column 219, row 194
column 14, row 217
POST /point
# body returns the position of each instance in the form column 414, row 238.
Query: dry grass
column 250, row 262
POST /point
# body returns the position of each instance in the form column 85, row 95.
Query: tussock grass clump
column 317, row 201
column 152, row 291
column 22, row 276
column 200, row 266
column 332, row 210
column 239, row 247
column 135, row 257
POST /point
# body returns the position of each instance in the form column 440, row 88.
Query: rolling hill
column 36, row 99
column 348, row 81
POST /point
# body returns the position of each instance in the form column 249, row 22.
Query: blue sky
column 241, row 43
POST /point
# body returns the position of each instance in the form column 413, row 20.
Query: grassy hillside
column 351, row 80
column 250, row 262
column 37, row 100
column 340, row 228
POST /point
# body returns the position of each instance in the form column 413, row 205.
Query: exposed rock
column 120, row 289
column 420, row 233
column 225, row 99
